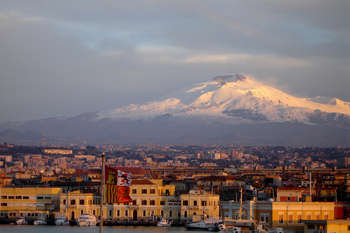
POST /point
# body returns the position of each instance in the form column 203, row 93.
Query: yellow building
column 199, row 204
column 151, row 200
column 29, row 202
column 290, row 215
column 75, row 203
column 58, row 151
column 329, row 226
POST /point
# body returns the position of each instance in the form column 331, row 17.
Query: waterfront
column 106, row 229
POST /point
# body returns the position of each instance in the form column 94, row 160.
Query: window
column 110, row 213
column 39, row 197
column 167, row 192
column 204, row 203
column 3, row 204
column 185, row 202
column 144, row 191
column 81, row 212
column 90, row 202
column 64, row 201
column 144, row 213
column 152, row 191
column 72, row 202
column 18, row 197
column 3, row 197
column 25, row 197
column 134, row 202
column 152, row 202
column 94, row 212
column 126, row 213
column 299, row 218
column 195, row 203
column 290, row 218
column 170, row 213
column 162, row 202
column 162, row 213
column 81, row 202
column 118, row 213
column 47, row 198
column 134, row 191
column 280, row 219
column 144, row 202
column 185, row 214
column 12, row 197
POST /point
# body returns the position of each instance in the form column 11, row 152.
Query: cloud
column 267, row 59
column 95, row 55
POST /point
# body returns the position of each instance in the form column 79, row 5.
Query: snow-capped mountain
column 233, row 98
column 230, row 109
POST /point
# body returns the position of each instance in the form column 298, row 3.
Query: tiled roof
column 140, row 182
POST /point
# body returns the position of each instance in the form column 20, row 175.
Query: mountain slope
column 231, row 109
column 237, row 97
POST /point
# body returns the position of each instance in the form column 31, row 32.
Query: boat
column 61, row 221
column 40, row 221
column 235, row 230
column 209, row 224
column 86, row 220
column 21, row 221
column 164, row 223
column 276, row 230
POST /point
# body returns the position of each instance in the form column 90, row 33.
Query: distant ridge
column 229, row 109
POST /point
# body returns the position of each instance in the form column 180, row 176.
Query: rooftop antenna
column 310, row 185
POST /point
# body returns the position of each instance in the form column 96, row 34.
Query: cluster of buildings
column 182, row 184
column 154, row 199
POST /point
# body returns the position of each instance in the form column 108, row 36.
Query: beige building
column 151, row 200
column 289, row 215
column 330, row 226
column 199, row 204
column 29, row 202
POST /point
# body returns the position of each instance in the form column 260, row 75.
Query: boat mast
column 241, row 203
column 310, row 186
column 102, row 191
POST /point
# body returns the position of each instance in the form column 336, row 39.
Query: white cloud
column 268, row 59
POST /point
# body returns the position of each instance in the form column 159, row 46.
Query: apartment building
column 29, row 202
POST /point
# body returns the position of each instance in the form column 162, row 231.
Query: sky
column 64, row 58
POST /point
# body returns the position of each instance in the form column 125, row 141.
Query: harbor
column 106, row 229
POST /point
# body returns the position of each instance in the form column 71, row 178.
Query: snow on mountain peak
column 234, row 96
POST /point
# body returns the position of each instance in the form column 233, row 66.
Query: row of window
column 299, row 218
column 144, row 191
column 41, row 198
column 195, row 203
column 21, row 214
column 14, row 197
column 143, row 202
column 146, row 214
column 81, row 202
